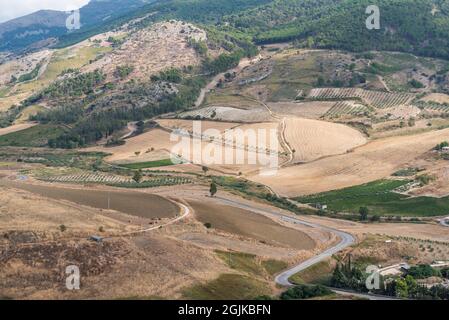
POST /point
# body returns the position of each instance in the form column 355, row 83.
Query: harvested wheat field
column 211, row 151
column 373, row 161
column 133, row 203
column 15, row 214
column 313, row 139
column 251, row 225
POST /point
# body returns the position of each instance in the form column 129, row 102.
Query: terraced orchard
column 377, row 99
column 342, row 108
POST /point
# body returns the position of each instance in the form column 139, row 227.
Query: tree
column 138, row 176
column 62, row 228
column 205, row 169
column 213, row 189
column 401, row 288
column 363, row 211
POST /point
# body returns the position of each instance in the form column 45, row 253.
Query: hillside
column 42, row 28
column 416, row 26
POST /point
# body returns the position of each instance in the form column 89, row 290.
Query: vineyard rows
column 346, row 108
column 377, row 99
column 432, row 106
column 118, row 180
column 89, row 178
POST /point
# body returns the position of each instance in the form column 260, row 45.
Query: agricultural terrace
column 377, row 99
column 349, row 108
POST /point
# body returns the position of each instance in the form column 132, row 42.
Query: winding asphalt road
column 346, row 240
column 283, row 278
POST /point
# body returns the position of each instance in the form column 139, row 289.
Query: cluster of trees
column 101, row 119
column 30, row 75
column 442, row 145
column 199, row 46
column 348, row 276
column 123, row 71
column 78, row 85
column 172, row 75
column 357, row 78
column 341, row 24
column 305, row 292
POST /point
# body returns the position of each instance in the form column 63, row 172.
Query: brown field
column 436, row 97
column 439, row 187
column 188, row 124
column 423, row 231
column 375, row 160
column 251, row 225
column 132, row 203
column 160, row 140
column 47, row 215
column 313, row 139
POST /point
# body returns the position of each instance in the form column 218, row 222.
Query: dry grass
column 313, row 139
column 251, row 225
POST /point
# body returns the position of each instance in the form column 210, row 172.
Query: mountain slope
column 22, row 32
column 416, row 26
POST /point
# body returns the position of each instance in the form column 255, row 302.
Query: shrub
column 305, row 292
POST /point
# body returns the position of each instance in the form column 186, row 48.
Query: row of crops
column 89, row 177
column 118, row 181
column 376, row 99
column 434, row 106
column 342, row 108
column 154, row 183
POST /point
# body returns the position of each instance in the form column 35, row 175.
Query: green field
column 228, row 287
column 36, row 136
column 379, row 198
column 149, row 164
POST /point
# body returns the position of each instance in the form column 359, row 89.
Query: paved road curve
column 282, row 279
column 346, row 241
